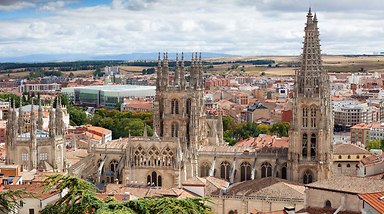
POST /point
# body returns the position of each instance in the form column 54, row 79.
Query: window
column 204, row 170
column 304, row 145
column 340, row 157
column 339, row 165
column 24, row 157
column 43, row 156
column 154, row 180
column 327, row 204
column 31, row 211
column 114, row 164
column 175, row 130
column 284, row 171
column 266, row 170
column 245, row 171
column 348, row 165
column 349, row 157
column 313, row 116
column 307, row 177
column 305, row 117
column 189, row 106
column 174, row 106
column 313, row 146
column 224, row 170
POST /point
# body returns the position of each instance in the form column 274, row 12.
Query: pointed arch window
column 313, row 116
column 313, row 146
column 305, row 117
column 114, row 164
column 307, row 177
column 175, row 129
column 204, row 170
column 266, row 170
column 175, row 106
column 304, row 145
column 245, row 171
column 224, row 170
column 188, row 106
column 284, row 171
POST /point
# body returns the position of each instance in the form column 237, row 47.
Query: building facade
column 36, row 148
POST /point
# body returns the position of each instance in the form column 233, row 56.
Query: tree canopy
column 80, row 198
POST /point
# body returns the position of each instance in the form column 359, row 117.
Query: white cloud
column 236, row 27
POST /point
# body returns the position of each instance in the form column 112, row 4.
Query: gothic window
column 43, row 156
column 305, row 117
column 313, row 146
column 313, row 117
column 307, row 178
column 304, row 145
column 245, row 171
column 24, row 156
column 154, row 180
column 154, row 158
column 175, row 106
column 284, row 171
column 114, row 165
column 188, row 107
column 224, row 170
column 204, row 170
column 175, row 129
column 139, row 157
column 167, row 159
column 301, row 85
column 266, row 170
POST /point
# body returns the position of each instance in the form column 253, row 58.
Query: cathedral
column 32, row 147
column 187, row 142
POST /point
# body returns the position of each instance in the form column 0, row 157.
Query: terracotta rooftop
column 119, row 197
column 264, row 140
column 376, row 200
column 372, row 160
column 349, row 184
column 347, row 149
column 36, row 189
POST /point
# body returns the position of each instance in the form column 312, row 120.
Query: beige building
column 36, row 148
column 346, row 159
column 339, row 193
column 364, row 132
column 264, row 195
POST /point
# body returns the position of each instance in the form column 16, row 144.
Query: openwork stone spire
column 310, row 77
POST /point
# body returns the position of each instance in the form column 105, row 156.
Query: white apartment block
column 349, row 113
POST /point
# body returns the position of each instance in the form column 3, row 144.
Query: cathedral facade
column 188, row 143
column 31, row 147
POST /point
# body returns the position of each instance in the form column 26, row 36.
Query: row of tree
column 80, row 197
column 375, row 144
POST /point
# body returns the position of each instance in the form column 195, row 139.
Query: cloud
column 9, row 5
column 243, row 27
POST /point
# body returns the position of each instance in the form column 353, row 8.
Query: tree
column 80, row 198
column 9, row 200
column 71, row 75
column 375, row 144
column 263, row 128
column 280, row 128
column 77, row 116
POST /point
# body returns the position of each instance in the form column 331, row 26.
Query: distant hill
column 83, row 57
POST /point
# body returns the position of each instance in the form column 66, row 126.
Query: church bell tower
column 311, row 131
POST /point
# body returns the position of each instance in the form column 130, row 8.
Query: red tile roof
column 376, row 200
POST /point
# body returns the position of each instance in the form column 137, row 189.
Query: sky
column 239, row 27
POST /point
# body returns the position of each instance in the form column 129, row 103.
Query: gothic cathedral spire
column 310, row 148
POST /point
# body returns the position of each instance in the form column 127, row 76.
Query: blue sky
column 241, row 27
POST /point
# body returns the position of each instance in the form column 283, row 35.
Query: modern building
column 50, row 88
column 364, row 132
column 348, row 113
column 107, row 95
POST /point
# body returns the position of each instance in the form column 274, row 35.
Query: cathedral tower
column 310, row 148
column 179, row 106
